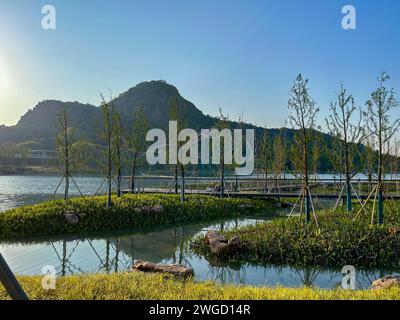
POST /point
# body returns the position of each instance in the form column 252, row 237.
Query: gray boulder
column 157, row 209
column 174, row 269
column 213, row 235
column 71, row 218
column 146, row 209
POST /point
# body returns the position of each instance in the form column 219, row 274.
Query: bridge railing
column 259, row 184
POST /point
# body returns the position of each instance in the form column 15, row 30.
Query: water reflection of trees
column 307, row 276
column 227, row 274
column 117, row 252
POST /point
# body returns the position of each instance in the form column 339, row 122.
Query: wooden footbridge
column 256, row 187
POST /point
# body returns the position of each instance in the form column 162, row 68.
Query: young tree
column 106, row 133
column 137, row 140
column 68, row 148
column 347, row 136
column 222, row 123
column 380, row 105
column 303, row 118
column 368, row 156
column 284, row 148
column 117, row 144
column 264, row 151
column 176, row 113
column 316, row 154
column 278, row 163
column 241, row 124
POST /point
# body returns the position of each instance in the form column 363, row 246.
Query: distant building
column 42, row 154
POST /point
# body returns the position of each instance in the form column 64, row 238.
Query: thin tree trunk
column 176, row 179
column 306, row 182
column 133, row 173
column 66, row 191
column 380, row 173
column 119, row 182
column 182, row 184
column 222, row 174
column 109, row 172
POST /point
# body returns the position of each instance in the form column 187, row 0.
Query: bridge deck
column 247, row 194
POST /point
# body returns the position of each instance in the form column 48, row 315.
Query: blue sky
column 241, row 55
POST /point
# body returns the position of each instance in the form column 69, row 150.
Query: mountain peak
column 151, row 87
column 40, row 122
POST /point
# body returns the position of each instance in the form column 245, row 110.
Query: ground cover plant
column 338, row 240
column 48, row 218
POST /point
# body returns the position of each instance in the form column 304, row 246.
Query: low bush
column 47, row 219
column 338, row 241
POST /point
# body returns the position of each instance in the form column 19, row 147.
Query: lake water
column 16, row 191
column 113, row 252
column 116, row 251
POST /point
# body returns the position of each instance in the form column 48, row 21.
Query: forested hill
column 38, row 126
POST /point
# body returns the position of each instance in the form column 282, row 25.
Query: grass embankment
column 47, row 218
column 338, row 241
column 138, row 286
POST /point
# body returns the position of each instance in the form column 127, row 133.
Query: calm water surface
column 112, row 252
column 116, row 251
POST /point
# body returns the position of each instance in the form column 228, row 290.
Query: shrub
column 48, row 218
column 338, row 241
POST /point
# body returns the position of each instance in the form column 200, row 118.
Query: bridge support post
column 308, row 206
column 182, row 185
column 348, row 197
column 176, row 179
column 380, row 206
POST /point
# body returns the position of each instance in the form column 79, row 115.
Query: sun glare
column 3, row 78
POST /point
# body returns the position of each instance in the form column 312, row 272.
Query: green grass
column 338, row 241
column 47, row 218
column 138, row 286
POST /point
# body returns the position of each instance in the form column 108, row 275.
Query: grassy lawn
column 138, row 286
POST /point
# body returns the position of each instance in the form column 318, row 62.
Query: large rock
column 394, row 230
column 219, row 244
column 143, row 266
column 213, row 235
column 71, row 218
column 386, row 283
column 219, row 248
column 235, row 244
column 157, row 209
column 146, row 209
column 174, row 269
